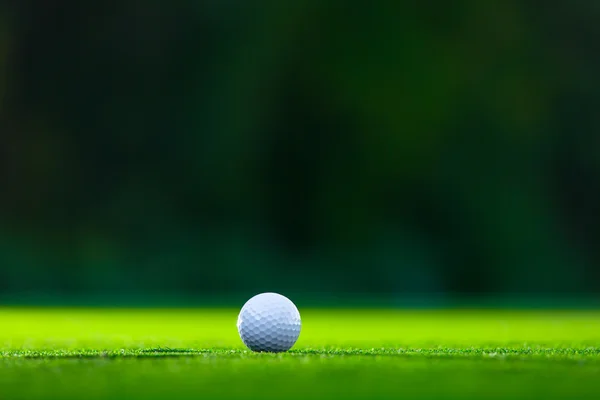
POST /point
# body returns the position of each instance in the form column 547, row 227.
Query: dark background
column 384, row 150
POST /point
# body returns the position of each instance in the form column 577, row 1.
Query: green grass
column 192, row 354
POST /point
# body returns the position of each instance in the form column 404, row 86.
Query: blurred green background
column 203, row 151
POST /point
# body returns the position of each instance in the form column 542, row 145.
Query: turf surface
column 190, row 354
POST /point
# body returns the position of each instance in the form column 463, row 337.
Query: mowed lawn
column 196, row 354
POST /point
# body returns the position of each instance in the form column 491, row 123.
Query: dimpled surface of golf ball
column 269, row 322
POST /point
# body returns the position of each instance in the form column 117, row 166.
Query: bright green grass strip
column 110, row 329
column 190, row 354
column 589, row 353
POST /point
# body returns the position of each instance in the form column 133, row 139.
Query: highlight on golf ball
column 269, row 322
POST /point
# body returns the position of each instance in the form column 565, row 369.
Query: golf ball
column 269, row 322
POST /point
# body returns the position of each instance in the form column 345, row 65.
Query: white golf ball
column 269, row 322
